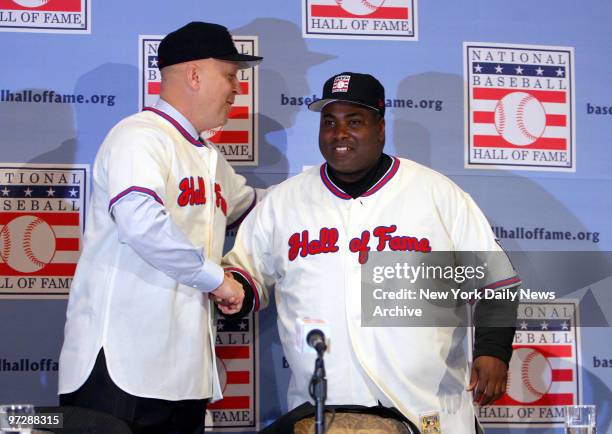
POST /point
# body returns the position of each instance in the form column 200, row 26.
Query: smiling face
column 351, row 139
column 217, row 90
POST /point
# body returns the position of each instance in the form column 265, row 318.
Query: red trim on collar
column 381, row 182
column 330, row 185
column 176, row 125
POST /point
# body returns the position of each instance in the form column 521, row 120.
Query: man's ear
column 381, row 130
column 192, row 75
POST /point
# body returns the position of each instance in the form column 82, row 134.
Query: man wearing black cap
column 309, row 237
column 139, row 341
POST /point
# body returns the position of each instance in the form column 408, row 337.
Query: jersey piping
column 136, row 189
column 249, row 279
column 175, row 124
column 336, row 191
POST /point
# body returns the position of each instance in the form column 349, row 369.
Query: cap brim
column 244, row 61
column 320, row 104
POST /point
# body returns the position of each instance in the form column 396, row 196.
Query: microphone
column 316, row 339
column 304, row 327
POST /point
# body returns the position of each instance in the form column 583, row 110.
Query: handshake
column 229, row 295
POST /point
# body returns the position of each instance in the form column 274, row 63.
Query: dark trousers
column 143, row 415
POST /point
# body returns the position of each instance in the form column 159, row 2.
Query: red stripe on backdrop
column 489, row 118
column 230, row 137
column 541, row 95
column 562, row 375
column 48, row 270
column 67, row 244
column 484, row 117
column 239, row 112
column 238, row 377
column 549, row 350
column 153, row 87
column 545, row 143
column 233, row 352
column 231, row 402
column 53, row 218
column 548, row 399
column 330, row 11
column 556, row 120
column 51, row 5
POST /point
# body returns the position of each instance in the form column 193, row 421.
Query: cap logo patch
column 341, row 83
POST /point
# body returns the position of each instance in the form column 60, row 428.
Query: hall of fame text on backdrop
column 519, row 107
column 544, row 374
column 41, row 228
column 45, row 16
column 237, row 353
column 360, row 19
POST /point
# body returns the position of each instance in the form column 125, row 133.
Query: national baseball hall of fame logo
column 236, row 355
column 360, row 19
column 238, row 139
column 46, row 16
column 41, row 225
column 544, row 374
column 519, row 107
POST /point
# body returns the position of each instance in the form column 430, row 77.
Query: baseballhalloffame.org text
column 593, row 109
column 539, row 233
column 52, row 97
column 26, row 364
column 403, row 103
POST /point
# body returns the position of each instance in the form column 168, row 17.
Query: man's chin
column 341, row 169
column 220, row 123
column 224, row 120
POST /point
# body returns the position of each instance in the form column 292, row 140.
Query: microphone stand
column 319, row 383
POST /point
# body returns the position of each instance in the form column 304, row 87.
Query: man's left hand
column 488, row 379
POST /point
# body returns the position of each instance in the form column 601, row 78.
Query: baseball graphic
column 529, row 376
column 27, row 244
column 520, row 118
column 31, row 3
column 207, row 134
column 341, row 83
column 360, row 7
column 222, row 371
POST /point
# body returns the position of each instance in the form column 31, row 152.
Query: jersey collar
column 336, row 191
column 180, row 122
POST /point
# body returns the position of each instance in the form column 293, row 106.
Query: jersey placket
column 352, row 296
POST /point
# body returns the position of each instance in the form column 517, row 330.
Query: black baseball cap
column 362, row 89
column 198, row 40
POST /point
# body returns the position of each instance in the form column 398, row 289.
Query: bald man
column 139, row 338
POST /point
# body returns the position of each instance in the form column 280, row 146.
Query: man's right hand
column 229, row 295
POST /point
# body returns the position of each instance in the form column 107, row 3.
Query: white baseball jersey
column 300, row 239
column 157, row 334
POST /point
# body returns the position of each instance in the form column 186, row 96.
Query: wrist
column 210, row 278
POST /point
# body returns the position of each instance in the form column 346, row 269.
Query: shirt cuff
column 209, row 278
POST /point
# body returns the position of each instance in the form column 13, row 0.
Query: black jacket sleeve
column 495, row 325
